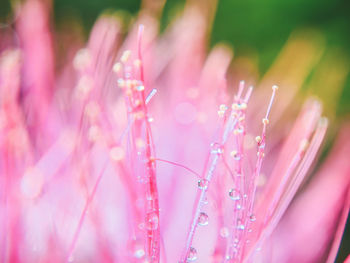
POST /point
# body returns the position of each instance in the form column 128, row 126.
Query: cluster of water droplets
column 242, row 194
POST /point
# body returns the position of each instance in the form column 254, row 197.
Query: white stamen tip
column 265, row 121
column 117, row 67
column 125, row 56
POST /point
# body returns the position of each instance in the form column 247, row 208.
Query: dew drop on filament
column 240, row 225
column 192, row 255
column 252, row 218
column 203, row 219
column 234, row 194
column 203, row 184
column 152, row 221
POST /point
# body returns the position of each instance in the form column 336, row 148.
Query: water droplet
column 152, row 221
column 140, row 88
column 203, row 219
column 252, row 218
column 261, row 145
column 203, row 184
column 237, row 157
column 240, row 225
column 216, row 148
column 137, row 248
column 192, row 255
column 121, row 82
column 139, row 253
column 239, row 130
column 224, row 232
column 234, row 194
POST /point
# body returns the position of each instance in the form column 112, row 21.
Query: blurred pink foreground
column 138, row 151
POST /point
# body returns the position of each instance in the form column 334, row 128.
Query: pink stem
column 83, row 214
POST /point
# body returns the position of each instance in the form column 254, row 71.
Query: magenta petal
column 314, row 220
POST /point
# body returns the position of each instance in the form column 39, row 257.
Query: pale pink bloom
column 137, row 151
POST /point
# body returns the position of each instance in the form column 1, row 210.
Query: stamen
column 150, row 95
column 139, row 39
column 274, row 89
column 248, row 94
column 125, row 57
column 240, row 90
column 117, row 67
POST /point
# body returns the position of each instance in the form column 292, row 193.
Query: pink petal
column 307, row 232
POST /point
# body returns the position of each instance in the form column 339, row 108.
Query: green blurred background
column 262, row 26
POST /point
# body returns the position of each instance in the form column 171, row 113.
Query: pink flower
column 138, row 151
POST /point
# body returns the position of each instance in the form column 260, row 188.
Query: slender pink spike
column 274, row 89
column 303, row 128
column 240, row 90
column 203, row 186
column 150, row 96
column 139, row 51
column 83, row 214
column 38, row 64
column 139, row 40
column 340, row 230
column 288, row 193
column 310, row 244
column 248, row 94
column 261, row 147
column 212, row 82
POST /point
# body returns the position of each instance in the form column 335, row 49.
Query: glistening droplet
column 139, row 253
column 192, row 255
column 234, row 194
column 203, row 184
column 252, row 218
column 203, row 219
column 240, row 225
column 152, row 221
